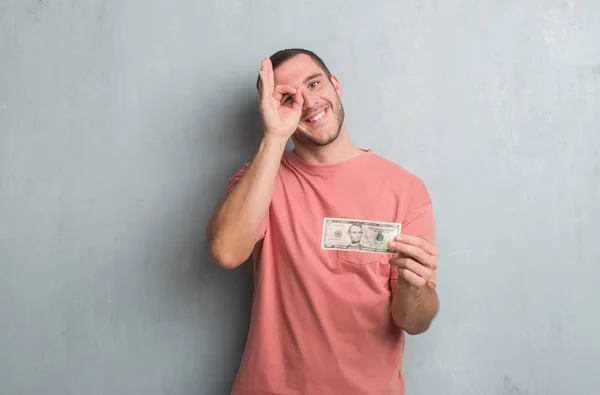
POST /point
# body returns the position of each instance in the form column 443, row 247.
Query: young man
column 324, row 322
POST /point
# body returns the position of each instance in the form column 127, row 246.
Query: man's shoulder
column 392, row 169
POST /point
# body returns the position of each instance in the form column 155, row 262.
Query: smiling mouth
column 316, row 117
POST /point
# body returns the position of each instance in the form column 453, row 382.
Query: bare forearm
column 235, row 223
column 414, row 309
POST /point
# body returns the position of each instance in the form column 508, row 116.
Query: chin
column 318, row 139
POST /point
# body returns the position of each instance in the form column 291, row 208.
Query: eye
column 314, row 84
column 287, row 99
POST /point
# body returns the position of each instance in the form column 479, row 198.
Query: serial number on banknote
column 359, row 235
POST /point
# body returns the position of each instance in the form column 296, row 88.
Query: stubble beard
column 307, row 139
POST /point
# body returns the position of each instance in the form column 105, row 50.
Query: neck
column 339, row 150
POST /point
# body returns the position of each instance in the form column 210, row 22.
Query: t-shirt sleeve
column 418, row 220
column 232, row 183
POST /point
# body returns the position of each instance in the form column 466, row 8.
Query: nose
column 309, row 101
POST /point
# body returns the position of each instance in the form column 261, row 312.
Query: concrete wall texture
column 121, row 122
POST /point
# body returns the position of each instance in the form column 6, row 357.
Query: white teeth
column 317, row 117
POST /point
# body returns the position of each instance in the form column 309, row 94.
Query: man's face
column 356, row 233
column 322, row 112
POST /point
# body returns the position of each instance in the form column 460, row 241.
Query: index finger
column 281, row 90
column 417, row 242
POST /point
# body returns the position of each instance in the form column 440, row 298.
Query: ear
column 336, row 84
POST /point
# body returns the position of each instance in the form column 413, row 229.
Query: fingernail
column 392, row 244
column 399, row 237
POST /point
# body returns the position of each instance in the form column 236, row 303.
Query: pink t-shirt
column 321, row 320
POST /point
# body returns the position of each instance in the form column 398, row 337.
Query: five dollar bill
column 358, row 235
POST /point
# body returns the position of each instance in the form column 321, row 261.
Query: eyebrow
column 310, row 77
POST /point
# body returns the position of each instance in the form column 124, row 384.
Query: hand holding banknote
column 416, row 260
